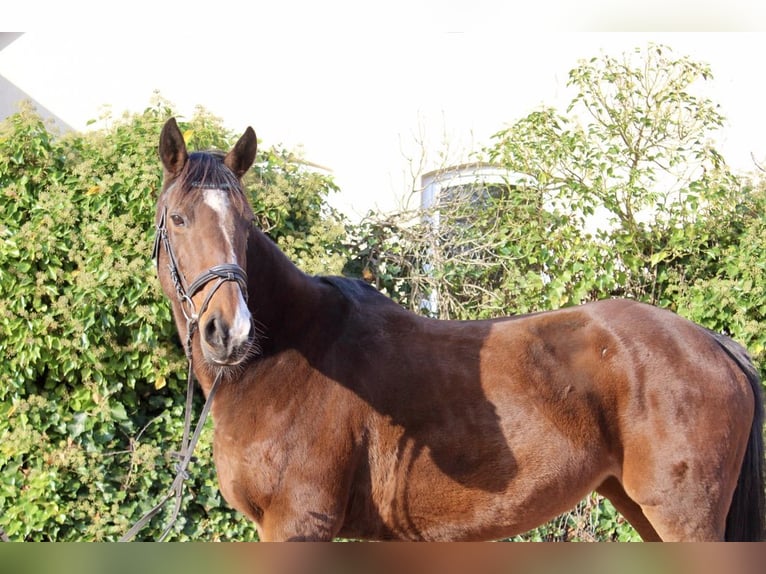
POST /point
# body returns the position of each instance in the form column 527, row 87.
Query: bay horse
column 341, row 414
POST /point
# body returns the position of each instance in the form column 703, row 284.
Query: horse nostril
column 217, row 333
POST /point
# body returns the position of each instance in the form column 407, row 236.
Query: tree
column 621, row 194
column 632, row 157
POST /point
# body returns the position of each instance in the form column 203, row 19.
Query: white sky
column 356, row 90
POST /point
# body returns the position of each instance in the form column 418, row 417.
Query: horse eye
column 177, row 220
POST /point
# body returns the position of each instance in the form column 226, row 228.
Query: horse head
column 203, row 222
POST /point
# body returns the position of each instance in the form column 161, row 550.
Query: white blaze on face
column 218, row 201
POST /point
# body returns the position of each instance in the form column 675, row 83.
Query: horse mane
column 356, row 291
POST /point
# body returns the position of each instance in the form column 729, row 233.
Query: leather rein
column 220, row 274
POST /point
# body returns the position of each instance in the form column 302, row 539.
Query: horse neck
column 279, row 294
column 279, row 297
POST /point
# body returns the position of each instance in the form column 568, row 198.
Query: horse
column 342, row 414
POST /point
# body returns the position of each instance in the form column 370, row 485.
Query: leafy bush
column 92, row 377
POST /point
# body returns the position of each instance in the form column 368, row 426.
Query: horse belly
column 419, row 493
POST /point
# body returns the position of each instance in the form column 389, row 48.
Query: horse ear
column 242, row 155
column 172, row 148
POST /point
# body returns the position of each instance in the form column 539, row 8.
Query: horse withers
column 339, row 413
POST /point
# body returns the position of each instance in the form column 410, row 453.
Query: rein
column 221, row 274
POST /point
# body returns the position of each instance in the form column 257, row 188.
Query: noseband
column 222, row 273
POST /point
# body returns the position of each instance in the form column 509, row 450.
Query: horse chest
column 248, row 471
column 272, row 464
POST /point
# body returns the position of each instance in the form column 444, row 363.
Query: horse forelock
column 205, row 170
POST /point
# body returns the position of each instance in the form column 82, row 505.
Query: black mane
column 355, row 290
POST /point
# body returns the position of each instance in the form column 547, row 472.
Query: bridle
column 220, row 274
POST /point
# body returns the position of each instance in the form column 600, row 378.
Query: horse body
column 350, row 416
column 471, row 430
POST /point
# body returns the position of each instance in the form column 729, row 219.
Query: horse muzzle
column 226, row 339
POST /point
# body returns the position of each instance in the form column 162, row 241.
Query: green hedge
column 92, row 377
